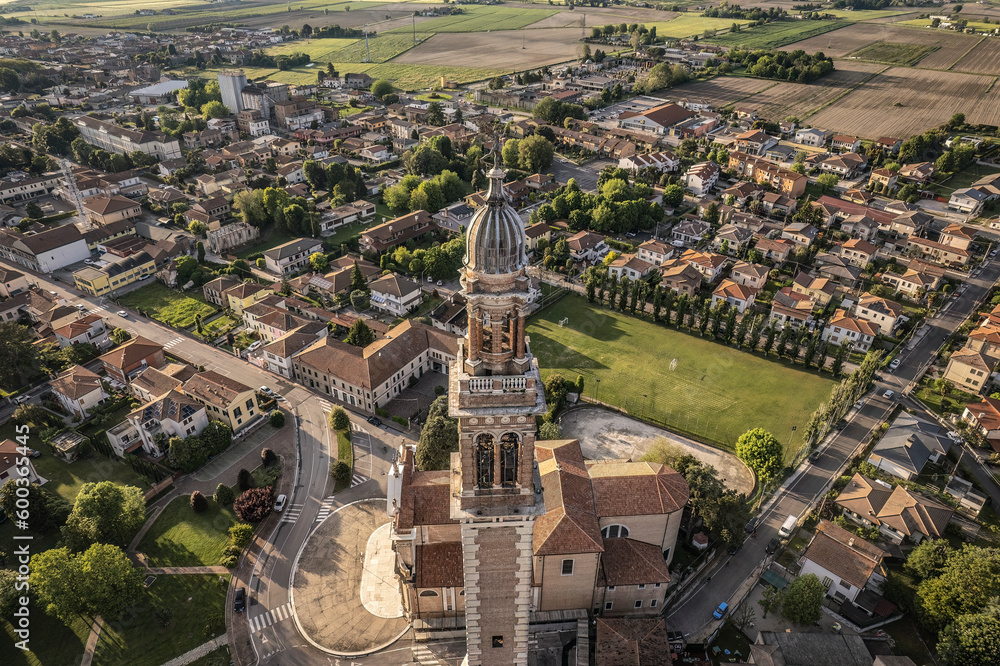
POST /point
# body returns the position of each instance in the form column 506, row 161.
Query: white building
column 701, row 178
column 395, row 295
column 846, row 564
column 115, row 139
column 292, row 256
column 47, row 251
column 78, row 390
column 231, row 85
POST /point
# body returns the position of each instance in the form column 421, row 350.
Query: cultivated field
column 541, row 47
column 984, row 58
column 893, row 53
column 716, row 392
column 773, row 35
column 382, row 47
column 689, row 25
column 950, row 45
column 318, row 49
column 601, row 16
column 480, row 18
column 901, row 102
column 720, row 91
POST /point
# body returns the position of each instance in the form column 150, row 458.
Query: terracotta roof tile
column 440, row 565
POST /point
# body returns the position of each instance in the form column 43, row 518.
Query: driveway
column 604, row 434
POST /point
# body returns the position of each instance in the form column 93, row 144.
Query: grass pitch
column 716, row 392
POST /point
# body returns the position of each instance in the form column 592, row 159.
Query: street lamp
column 597, row 395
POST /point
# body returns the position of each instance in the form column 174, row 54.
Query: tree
column 827, row 181
column 223, row 495
column 201, row 252
column 19, row 357
column 109, row 581
column 55, row 580
column 120, row 336
column 435, row 114
column 318, row 262
column 34, row 211
column 511, row 153
column 972, row 640
column 267, row 457
column 104, row 512
column 438, row 438
column 339, row 420
column 277, row 419
column 244, row 480
column 803, row 600
column 673, row 195
column 968, row 580
column 47, row 510
column 549, row 430
column 761, row 452
column 198, row 502
column 928, row 558
column 771, row 599
column 253, row 505
column 380, row 88
column 214, row 109
column 360, row 299
column 535, row 153
column 341, row 473
column 360, row 335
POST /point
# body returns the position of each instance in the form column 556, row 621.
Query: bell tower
column 495, row 391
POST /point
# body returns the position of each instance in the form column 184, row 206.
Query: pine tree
column 358, row 280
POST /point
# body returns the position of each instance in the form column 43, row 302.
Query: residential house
column 910, row 223
column 913, row 283
column 793, row 648
column 586, row 246
column 655, row 251
column 802, row 234
column 845, row 144
column 812, row 137
column 171, row 415
column 657, row 120
column 845, row 329
column 535, row 233
column 777, row 250
column 937, row 252
column 661, row 162
column 883, row 178
column 291, row 256
column 859, row 252
column 708, row 264
column 451, row 315
column 918, row 172
column 12, row 282
column 395, row 295
column 108, row 209
column 125, row 362
column 630, row 266
column 958, row 236
column 837, row 268
column 335, row 218
column 690, row 232
column 881, row 312
column 701, row 178
column 78, row 390
column 749, row 275
column 763, row 171
column 737, row 295
column 232, row 235
column 224, row 398
column 846, row 564
column 845, row 165
column 214, row 290
column 394, row 232
column 242, row 295
column 898, row 513
column 970, row 369
column 790, row 308
column 88, row 329
column 754, row 142
column 984, row 419
column 13, row 463
column 860, row 226
column 909, row 444
column 778, row 204
column 455, row 217
column 680, row 276
column 731, row 240
column 820, row 289
column 889, row 145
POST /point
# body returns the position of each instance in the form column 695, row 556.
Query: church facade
column 518, row 530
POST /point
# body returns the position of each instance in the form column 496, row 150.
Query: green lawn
column 52, row 643
column 167, row 305
column 66, row 479
column 217, row 327
column 690, row 24
column 219, row 657
column 274, row 240
column 775, row 34
column 963, row 178
column 931, row 396
column 893, row 53
column 182, row 538
column 716, row 392
column 196, row 608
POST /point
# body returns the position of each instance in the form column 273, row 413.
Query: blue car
column 720, row 611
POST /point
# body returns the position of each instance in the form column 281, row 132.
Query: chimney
column 910, row 440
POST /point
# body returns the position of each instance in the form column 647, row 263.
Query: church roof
column 569, row 524
column 496, row 240
column 636, row 488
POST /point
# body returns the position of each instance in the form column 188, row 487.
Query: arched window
column 484, row 460
column 509, row 443
column 614, row 531
column 428, row 593
column 487, row 333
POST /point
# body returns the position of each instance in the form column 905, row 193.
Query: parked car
column 145, row 277
column 889, row 394
column 122, row 314
column 894, row 364
column 21, row 399
column 81, row 306
column 955, row 437
column 772, row 546
column 240, row 600
column 751, row 525
column 375, row 421
column 719, row 612
column 859, row 404
column 279, row 504
column 266, row 390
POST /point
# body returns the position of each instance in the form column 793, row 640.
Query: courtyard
column 713, row 393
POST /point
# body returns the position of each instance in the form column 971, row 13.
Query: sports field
column 715, row 392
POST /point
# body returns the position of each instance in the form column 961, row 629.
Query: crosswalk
column 421, row 655
column 358, row 479
column 291, row 513
column 325, row 508
column 173, row 343
column 270, row 617
column 325, row 404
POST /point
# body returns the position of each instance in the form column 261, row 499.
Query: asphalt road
column 693, row 614
column 268, row 586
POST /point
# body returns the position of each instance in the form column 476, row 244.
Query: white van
column 787, row 527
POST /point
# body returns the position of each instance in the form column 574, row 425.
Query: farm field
column 689, row 25
column 865, row 14
column 478, row 18
column 316, row 48
column 541, row 47
column 977, row 25
column 901, row 102
column 716, row 392
column 719, row 91
column 984, row 58
column 799, row 99
column 773, row 35
column 893, row 53
column 839, row 43
column 382, row 48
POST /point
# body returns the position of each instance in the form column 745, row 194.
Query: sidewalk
column 199, row 652
column 95, row 634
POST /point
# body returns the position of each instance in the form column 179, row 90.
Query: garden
column 167, row 305
column 181, row 537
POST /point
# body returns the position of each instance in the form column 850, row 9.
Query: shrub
column 439, row 390
column 267, row 456
column 198, row 502
column 240, row 534
column 223, row 495
column 277, row 418
column 401, row 421
column 254, row 505
column 232, row 550
column 244, row 480
column 339, row 420
column 384, row 413
column 341, row 472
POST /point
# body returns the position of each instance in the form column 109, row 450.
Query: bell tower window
column 484, row 460
column 487, row 329
column 509, row 445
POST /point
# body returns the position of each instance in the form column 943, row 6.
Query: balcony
column 497, row 384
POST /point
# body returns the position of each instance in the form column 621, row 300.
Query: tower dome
column 496, row 240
